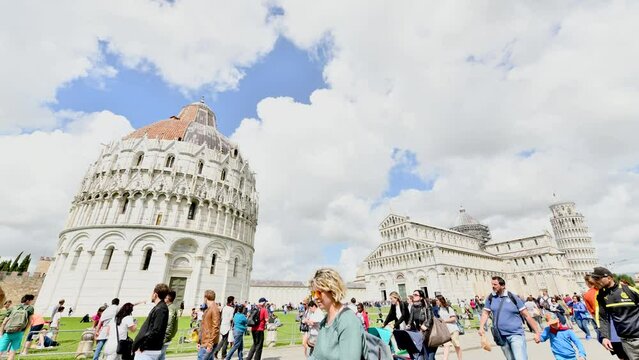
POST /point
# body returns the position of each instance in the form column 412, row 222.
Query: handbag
column 125, row 347
column 438, row 334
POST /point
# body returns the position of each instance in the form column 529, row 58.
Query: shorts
column 11, row 341
column 34, row 331
column 454, row 339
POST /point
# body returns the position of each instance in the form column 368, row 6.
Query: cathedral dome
column 196, row 123
column 465, row 219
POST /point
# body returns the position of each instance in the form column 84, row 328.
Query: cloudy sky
column 346, row 111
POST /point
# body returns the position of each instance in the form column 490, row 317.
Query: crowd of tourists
column 334, row 328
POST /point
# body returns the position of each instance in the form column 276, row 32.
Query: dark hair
column 26, row 298
column 162, row 290
column 530, row 298
column 171, row 295
column 360, row 305
column 353, row 300
column 61, row 302
column 239, row 309
column 421, row 295
column 61, row 309
column 230, row 299
column 443, row 301
column 312, row 303
column 115, row 301
column 500, row 280
column 578, row 297
column 125, row 310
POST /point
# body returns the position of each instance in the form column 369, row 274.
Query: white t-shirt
column 445, row 314
column 122, row 330
column 55, row 322
column 530, row 306
column 108, row 315
column 227, row 317
column 317, row 318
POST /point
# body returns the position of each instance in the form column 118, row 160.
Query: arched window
column 235, row 267
column 213, row 260
column 200, row 167
column 76, row 258
column 169, row 161
column 241, row 187
column 125, row 204
column 192, row 208
column 106, row 261
column 523, row 280
column 147, row 259
column 223, row 175
column 139, row 159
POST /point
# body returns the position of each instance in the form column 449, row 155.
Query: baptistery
column 172, row 202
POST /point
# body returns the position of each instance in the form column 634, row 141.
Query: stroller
column 412, row 342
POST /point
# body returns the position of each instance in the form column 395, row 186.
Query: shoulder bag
column 495, row 331
column 125, row 347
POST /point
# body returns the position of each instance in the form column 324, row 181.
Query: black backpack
column 254, row 317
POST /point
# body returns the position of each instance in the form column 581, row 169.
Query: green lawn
column 71, row 331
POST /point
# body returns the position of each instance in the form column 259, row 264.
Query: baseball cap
column 600, row 272
column 262, row 300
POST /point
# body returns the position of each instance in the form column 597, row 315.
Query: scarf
column 554, row 331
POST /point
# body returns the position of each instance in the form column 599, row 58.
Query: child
column 562, row 340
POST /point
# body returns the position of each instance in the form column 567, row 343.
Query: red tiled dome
column 196, row 123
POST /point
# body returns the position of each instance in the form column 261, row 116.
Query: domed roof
column 464, row 219
column 196, row 123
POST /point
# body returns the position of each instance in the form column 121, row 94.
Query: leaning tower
column 573, row 238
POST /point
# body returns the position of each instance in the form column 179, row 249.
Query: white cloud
column 190, row 44
column 464, row 86
column 43, row 170
column 467, row 87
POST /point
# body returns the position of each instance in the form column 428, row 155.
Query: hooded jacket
column 561, row 341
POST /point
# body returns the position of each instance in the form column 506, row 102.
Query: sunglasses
column 416, row 295
column 316, row 294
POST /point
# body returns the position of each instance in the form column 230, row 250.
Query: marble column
column 127, row 256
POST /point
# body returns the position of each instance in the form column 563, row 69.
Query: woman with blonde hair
column 398, row 312
column 341, row 334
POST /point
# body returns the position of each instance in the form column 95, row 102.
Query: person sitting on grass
column 45, row 341
column 562, row 340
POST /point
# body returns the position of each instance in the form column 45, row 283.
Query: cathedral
column 459, row 262
column 172, row 202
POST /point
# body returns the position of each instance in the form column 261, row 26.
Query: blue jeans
column 238, row 344
column 515, row 348
column 163, row 353
column 429, row 353
column 202, row 354
column 148, row 355
column 98, row 349
column 583, row 325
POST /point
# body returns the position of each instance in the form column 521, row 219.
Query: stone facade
column 16, row 285
column 173, row 202
column 459, row 262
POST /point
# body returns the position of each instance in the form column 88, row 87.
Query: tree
column 626, row 278
column 15, row 264
column 5, row 265
column 24, row 265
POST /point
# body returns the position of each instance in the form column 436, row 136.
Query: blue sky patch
column 143, row 97
column 526, row 153
column 403, row 175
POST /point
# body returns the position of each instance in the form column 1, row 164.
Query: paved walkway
column 470, row 346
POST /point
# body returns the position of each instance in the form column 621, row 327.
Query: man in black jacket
column 148, row 344
column 621, row 304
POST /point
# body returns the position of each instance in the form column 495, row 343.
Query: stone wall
column 16, row 285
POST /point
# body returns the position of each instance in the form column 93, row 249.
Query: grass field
column 71, row 330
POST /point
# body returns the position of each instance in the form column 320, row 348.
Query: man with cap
column 619, row 304
column 562, row 340
column 257, row 331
